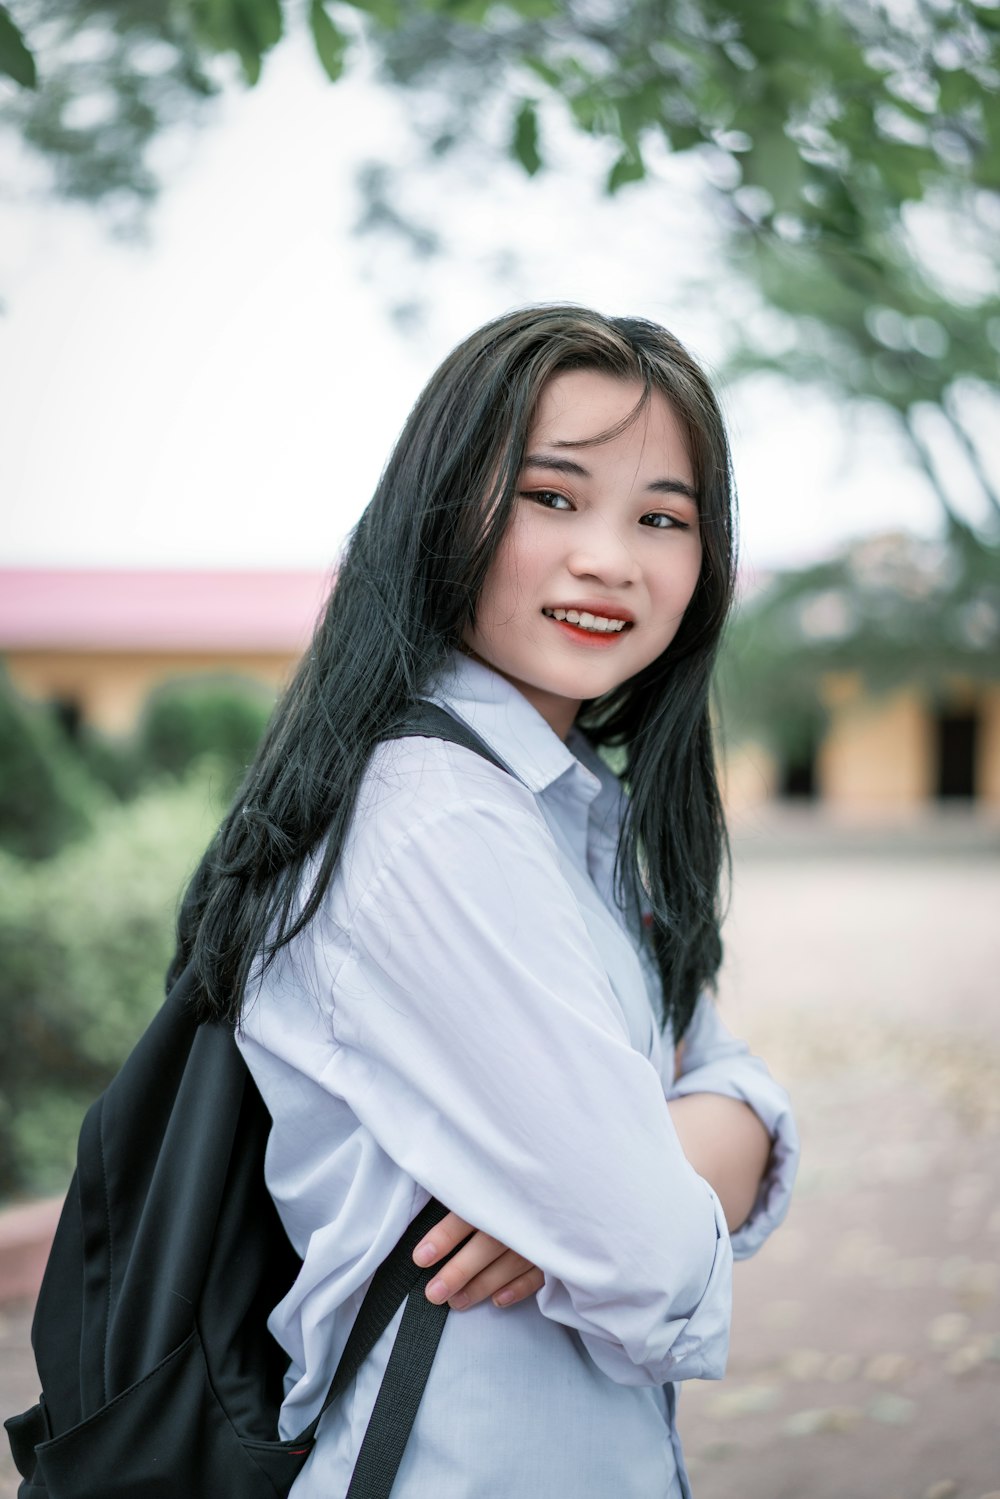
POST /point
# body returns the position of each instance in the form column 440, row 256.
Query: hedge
column 85, row 938
column 47, row 796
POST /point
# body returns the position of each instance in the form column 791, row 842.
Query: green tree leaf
column 331, row 44
column 546, row 71
column 468, row 12
column 988, row 17
column 535, row 10
column 385, row 12
column 268, row 22
column 16, row 60
column 525, row 139
column 629, row 167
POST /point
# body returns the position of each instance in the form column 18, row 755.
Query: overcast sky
column 227, row 395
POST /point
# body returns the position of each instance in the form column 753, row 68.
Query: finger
column 472, row 1258
column 507, row 1267
column 521, row 1288
column 442, row 1239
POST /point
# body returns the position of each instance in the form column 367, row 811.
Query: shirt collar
column 504, row 719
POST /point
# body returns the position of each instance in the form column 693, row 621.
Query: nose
column 605, row 556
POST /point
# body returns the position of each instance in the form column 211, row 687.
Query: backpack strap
column 398, row 1279
column 430, row 721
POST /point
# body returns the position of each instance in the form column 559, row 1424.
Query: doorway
column 957, row 733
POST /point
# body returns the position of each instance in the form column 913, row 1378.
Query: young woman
column 492, row 986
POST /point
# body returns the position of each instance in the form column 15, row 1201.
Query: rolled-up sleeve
column 479, row 1041
column 714, row 1061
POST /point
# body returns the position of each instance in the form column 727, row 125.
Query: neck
column 559, row 712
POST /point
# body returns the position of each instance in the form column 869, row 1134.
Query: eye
column 551, row 499
column 660, row 521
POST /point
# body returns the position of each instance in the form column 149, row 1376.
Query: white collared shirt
column 468, row 1017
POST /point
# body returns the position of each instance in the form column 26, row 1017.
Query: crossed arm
column 722, row 1138
column 421, row 940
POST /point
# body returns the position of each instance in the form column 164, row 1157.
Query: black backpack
column 159, row 1377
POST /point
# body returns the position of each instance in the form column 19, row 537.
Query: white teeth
column 599, row 623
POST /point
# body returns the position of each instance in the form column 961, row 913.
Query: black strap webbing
column 429, row 720
column 391, row 1284
column 398, row 1398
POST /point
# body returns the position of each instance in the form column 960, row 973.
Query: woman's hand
column 482, row 1267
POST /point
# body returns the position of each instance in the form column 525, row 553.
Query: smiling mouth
column 582, row 619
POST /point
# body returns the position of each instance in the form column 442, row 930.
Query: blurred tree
column 111, row 78
column 891, row 611
column 15, row 59
column 115, row 763
column 46, row 797
column 186, row 721
column 844, row 141
column 841, row 138
column 85, row 938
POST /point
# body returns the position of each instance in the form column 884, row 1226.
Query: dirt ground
column 865, row 1357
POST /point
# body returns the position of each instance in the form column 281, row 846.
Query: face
column 603, row 551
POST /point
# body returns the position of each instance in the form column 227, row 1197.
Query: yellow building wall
column 110, row 688
column 749, row 776
column 988, row 756
column 879, row 752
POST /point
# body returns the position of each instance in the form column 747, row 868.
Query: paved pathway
column 866, row 1350
column 866, row 1345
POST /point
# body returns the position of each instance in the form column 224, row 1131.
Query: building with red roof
column 95, row 642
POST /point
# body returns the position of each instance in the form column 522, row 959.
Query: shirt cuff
column 691, row 1345
column 747, row 1080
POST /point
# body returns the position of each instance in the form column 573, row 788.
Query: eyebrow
column 577, row 470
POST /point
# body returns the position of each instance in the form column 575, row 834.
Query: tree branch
column 972, row 453
column 925, row 460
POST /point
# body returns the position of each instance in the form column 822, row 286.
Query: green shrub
column 85, row 939
column 47, row 797
column 113, row 762
column 220, row 717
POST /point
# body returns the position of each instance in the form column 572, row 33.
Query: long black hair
column 406, row 591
